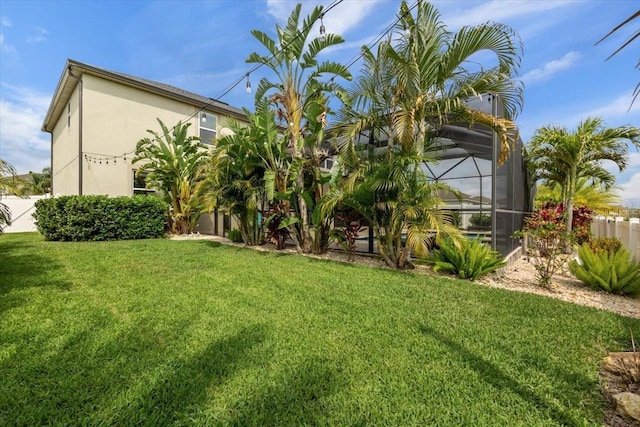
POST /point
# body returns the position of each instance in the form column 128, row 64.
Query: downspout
column 51, row 163
column 80, row 177
column 495, row 142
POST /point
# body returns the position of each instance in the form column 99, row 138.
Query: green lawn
column 160, row 332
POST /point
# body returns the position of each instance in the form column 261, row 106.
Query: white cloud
column 40, row 36
column 630, row 191
column 616, row 110
column 22, row 144
column 495, row 10
column 551, row 68
column 5, row 22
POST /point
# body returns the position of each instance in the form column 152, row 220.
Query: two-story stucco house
column 97, row 116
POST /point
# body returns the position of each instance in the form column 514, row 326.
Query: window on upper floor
column 69, row 114
column 207, row 125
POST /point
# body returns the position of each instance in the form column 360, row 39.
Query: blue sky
column 201, row 46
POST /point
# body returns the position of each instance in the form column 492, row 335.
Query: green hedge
column 86, row 218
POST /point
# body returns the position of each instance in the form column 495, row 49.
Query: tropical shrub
column 608, row 271
column 469, row 259
column 90, row 218
column 235, row 236
column 277, row 226
column 581, row 224
column 348, row 232
column 605, row 244
column 546, row 234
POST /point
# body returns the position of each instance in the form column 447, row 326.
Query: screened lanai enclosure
column 492, row 199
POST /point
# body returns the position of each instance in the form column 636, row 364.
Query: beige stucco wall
column 116, row 117
column 65, row 149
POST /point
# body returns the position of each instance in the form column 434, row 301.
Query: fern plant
column 608, row 271
column 469, row 260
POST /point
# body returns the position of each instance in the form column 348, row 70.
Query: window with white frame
column 207, row 124
column 327, row 163
column 140, row 184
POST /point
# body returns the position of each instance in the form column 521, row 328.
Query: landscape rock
column 628, row 404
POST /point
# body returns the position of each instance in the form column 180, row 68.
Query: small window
column 327, row 163
column 69, row 114
column 140, row 185
column 207, row 127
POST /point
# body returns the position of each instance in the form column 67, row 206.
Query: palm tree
column 300, row 100
column 559, row 156
column 417, row 81
column 40, row 182
column 174, row 163
column 249, row 169
column 8, row 180
column 634, row 36
column 596, row 197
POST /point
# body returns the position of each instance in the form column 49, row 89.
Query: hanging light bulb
column 248, row 84
column 204, row 118
column 322, row 29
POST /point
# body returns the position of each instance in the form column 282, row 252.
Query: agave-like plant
column 610, row 271
column 469, row 259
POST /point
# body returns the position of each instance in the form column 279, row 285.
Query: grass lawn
column 160, row 332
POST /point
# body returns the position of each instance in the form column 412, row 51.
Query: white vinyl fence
column 21, row 210
column 627, row 231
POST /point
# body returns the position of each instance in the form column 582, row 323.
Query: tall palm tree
column 300, row 98
column 560, row 156
column 417, row 81
column 174, row 163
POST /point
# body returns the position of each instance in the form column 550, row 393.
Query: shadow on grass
column 295, row 399
column 493, row 375
column 130, row 379
column 177, row 397
column 22, row 268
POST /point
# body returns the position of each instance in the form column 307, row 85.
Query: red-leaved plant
column 547, row 236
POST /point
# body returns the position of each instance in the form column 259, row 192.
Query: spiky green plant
column 470, row 260
column 608, row 271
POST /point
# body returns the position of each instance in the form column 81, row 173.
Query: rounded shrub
column 92, row 218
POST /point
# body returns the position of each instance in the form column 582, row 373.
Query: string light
column 256, row 67
column 97, row 158
column 322, row 29
column 248, row 84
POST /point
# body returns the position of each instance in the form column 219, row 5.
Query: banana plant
column 174, row 164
